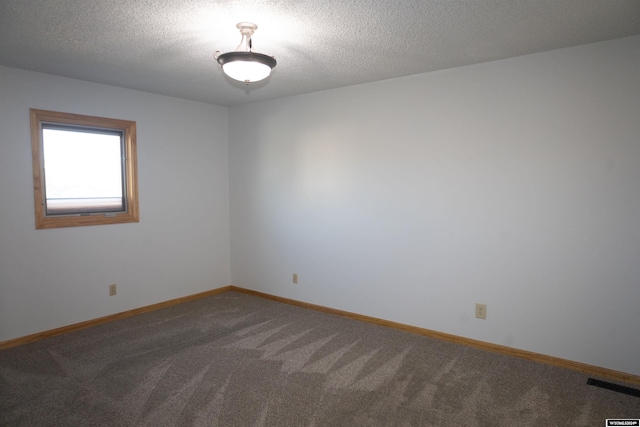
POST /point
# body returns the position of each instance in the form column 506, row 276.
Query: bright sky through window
column 83, row 170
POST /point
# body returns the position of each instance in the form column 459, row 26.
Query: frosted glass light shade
column 246, row 71
column 246, row 67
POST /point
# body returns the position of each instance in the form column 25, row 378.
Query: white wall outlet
column 112, row 289
column 481, row 311
column 295, row 277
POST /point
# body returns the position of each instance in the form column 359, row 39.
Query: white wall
column 53, row 278
column 514, row 183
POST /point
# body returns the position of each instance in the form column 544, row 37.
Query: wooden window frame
column 43, row 221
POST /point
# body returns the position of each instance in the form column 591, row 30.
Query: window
column 84, row 170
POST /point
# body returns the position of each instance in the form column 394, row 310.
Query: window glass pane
column 83, row 171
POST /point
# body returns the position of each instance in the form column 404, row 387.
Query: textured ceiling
column 167, row 47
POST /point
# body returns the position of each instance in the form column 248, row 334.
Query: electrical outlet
column 481, row 311
column 295, row 277
column 112, row 289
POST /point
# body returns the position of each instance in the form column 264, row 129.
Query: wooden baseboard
column 482, row 345
column 123, row 315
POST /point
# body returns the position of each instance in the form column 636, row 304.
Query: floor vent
column 614, row 387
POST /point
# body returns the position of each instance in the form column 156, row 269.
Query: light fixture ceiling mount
column 244, row 64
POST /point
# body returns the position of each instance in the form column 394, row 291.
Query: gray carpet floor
column 238, row 360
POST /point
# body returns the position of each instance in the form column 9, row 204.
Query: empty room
column 405, row 214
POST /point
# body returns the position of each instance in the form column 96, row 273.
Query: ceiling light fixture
column 244, row 64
